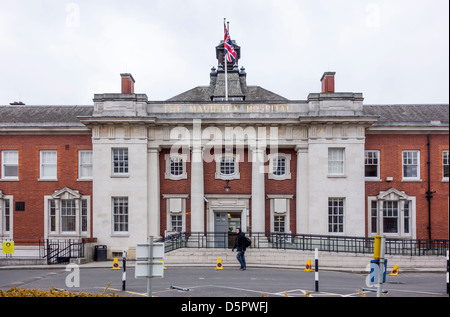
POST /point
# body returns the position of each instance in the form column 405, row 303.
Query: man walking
column 240, row 244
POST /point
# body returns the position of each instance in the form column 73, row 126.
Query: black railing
column 61, row 251
column 307, row 242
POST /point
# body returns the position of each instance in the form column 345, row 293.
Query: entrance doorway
column 225, row 224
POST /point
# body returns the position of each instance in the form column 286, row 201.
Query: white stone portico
column 127, row 129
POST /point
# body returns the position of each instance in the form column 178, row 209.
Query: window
column 85, row 164
column 279, row 166
column 411, row 165
column 374, row 216
column 279, row 223
column 445, row 164
column 372, row 164
column 176, row 166
column 10, row 165
column 176, row 222
column 120, row 214
column 406, row 217
column 120, row 161
column 52, row 215
column 68, row 215
column 335, row 161
column 84, row 216
column 392, row 212
column 6, row 215
column 336, row 215
column 390, row 216
column 227, row 165
column 48, row 165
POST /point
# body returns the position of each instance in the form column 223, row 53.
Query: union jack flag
column 229, row 51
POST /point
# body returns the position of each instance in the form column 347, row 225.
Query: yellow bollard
column 394, row 271
column 219, row 265
column 308, row 266
column 377, row 247
column 115, row 264
column 161, row 260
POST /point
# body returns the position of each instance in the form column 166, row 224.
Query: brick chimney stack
column 127, row 83
column 328, row 82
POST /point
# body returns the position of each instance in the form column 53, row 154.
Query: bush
column 53, row 292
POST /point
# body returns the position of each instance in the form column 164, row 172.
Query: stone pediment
column 66, row 193
column 392, row 194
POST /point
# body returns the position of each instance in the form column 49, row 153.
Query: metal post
column 150, row 266
column 381, row 267
column 124, row 274
column 316, row 269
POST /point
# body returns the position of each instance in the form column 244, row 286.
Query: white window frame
column 113, row 215
column 5, row 163
column 168, row 173
column 402, row 200
column 4, row 199
column 42, row 163
column 334, row 161
column 366, row 158
column 284, row 204
column 170, row 212
column 120, row 173
column 445, row 162
column 54, row 204
column 411, row 178
column 82, row 165
column 272, row 158
column 333, row 223
column 218, row 159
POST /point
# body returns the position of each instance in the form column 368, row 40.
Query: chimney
column 127, row 83
column 328, row 82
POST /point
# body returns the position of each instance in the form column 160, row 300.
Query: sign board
column 142, row 251
column 8, row 247
column 375, row 271
column 142, row 269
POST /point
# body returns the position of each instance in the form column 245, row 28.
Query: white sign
column 142, row 251
column 142, row 269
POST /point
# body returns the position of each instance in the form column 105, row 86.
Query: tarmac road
column 230, row 282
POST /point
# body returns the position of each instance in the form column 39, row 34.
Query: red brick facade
column 391, row 147
column 29, row 224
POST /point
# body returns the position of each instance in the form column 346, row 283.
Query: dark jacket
column 240, row 242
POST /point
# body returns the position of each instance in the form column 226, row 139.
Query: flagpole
column 226, row 73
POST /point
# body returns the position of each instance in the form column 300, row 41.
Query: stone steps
column 298, row 259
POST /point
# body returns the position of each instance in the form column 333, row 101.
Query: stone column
column 197, row 190
column 258, row 192
column 302, row 190
column 153, row 218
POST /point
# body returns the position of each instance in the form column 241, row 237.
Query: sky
column 56, row 52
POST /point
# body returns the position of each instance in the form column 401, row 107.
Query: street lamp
column 227, row 188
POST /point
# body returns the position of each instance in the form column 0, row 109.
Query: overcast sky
column 63, row 52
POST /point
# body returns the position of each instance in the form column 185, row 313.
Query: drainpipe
column 429, row 193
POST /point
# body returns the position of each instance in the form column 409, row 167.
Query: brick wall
column 29, row 224
column 391, row 147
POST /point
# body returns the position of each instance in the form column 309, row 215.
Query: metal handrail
column 307, row 242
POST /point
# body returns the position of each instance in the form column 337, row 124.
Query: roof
column 43, row 115
column 67, row 116
column 201, row 94
column 409, row 115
